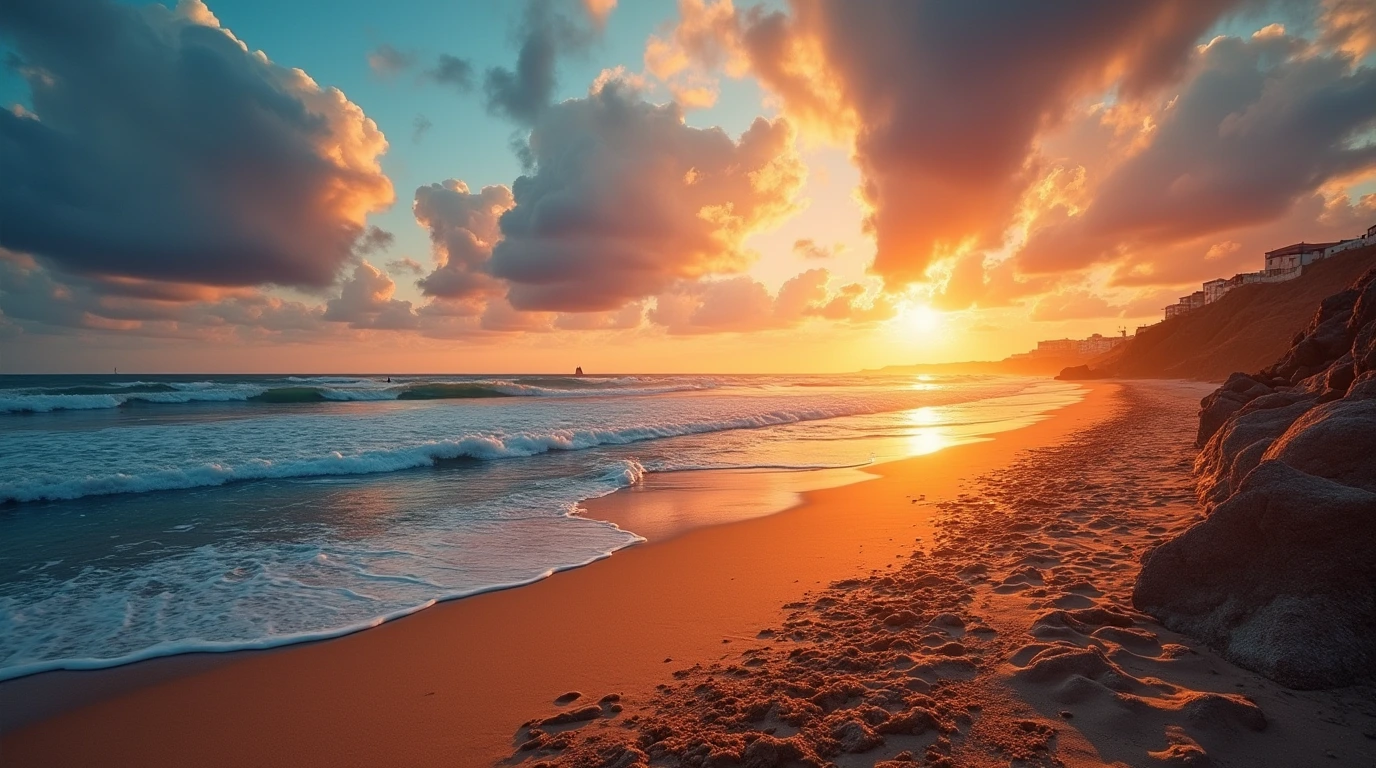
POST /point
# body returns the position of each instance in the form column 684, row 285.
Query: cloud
column 33, row 299
column 388, row 62
column 463, row 229
column 419, row 127
column 406, row 265
column 1349, row 26
column 626, row 198
column 365, row 301
column 1259, row 125
column 944, row 100
column 975, row 280
column 375, row 240
column 1076, row 304
column 546, row 32
column 810, row 249
column 944, row 149
column 626, row 318
column 741, row 304
column 164, row 149
column 599, row 10
column 1314, row 218
column 451, row 71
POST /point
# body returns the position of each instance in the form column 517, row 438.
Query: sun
column 917, row 318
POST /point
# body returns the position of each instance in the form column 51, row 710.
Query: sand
column 809, row 632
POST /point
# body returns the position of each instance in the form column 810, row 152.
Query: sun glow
column 913, row 317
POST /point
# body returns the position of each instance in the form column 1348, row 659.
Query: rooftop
column 1298, row 248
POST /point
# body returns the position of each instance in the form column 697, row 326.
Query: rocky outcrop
column 1281, row 575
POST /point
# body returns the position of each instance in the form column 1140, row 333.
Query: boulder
column 1364, row 388
column 1280, row 578
column 1245, row 437
column 1335, row 440
column 1281, row 575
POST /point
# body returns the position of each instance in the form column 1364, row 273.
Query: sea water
column 151, row 515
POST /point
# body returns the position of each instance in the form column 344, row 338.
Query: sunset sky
column 652, row 186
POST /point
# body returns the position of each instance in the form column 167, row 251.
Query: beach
column 969, row 605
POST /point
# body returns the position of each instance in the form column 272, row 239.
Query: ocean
column 144, row 516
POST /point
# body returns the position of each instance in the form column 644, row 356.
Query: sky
column 649, row 185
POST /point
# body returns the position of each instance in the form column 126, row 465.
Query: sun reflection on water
column 929, row 437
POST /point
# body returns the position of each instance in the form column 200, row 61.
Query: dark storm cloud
column 161, row 148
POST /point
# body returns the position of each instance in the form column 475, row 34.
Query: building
column 1214, row 290
column 1293, row 257
column 1098, row 344
column 1281, row 264
column 1063, row 349
column 1055, row 348
column 1357, row 242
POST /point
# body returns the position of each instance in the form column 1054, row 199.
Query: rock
column 769, row 752
column 1079, row 373
column 568, row 697
column 948, row 620
column 580, row 715
column 1215, row 710
column 1364, row 349
column 854, row 737
column 1278, row 578
column 1336, row 440
column 1228, row 399
column 1238, row 382
column 1364, row 388
column 1236, row 448
column 901, row 619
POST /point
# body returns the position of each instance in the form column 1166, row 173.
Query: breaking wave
column 480, row 446
column 323, row 389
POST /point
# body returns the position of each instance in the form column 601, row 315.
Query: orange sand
column 451, row 685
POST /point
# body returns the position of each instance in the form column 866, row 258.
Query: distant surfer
column 389, row 379
column 578, row 371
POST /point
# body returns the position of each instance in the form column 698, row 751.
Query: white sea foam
column 484, row 446
column 332, row 546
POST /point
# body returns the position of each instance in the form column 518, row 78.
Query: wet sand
column 452, row 685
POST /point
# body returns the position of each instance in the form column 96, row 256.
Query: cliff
column 1248, row 328
column 1280, row 576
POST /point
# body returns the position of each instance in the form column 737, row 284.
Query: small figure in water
column 389, row 379
column 578, row 371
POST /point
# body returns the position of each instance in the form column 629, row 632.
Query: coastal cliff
column 1246, row 329
column 1280, row 576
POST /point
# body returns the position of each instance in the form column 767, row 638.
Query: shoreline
column 254, row 674
column 718, row 495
